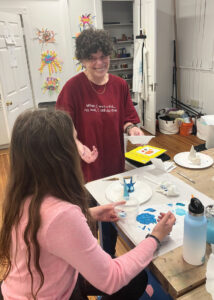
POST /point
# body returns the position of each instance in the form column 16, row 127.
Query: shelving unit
column 119, row 70
column 115, row 17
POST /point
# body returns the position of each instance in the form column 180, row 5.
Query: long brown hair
column 43, row 160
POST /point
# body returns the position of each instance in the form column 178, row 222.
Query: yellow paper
column 144, row 154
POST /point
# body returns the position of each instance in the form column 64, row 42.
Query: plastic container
column 186, row 128
column 195, row 233
column 209, row 212
column 205, row 130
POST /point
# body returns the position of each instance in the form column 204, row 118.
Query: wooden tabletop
column 181, row 280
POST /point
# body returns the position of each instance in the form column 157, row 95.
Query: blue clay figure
column 125, row 190
column 130, row 186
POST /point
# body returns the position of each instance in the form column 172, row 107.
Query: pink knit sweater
column 68, row 247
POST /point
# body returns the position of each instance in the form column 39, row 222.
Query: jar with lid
column 209, row 212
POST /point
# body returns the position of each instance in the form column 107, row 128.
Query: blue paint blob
column 180, row 212
column 150, row 209
column 144, row 227
column 180, row 204
column 170, row 204
column 146, row 219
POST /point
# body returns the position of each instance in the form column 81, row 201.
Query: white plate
column 142, row 192
column 182, row 160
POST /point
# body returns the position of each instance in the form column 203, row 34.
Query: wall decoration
column 50, row 59
column 45, row 36
column 86, row 21
column 76, row 35
column 51, row 84
column 78, row 64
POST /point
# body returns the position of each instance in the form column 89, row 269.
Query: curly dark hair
column 92, row 40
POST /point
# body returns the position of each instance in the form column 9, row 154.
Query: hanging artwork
column 78, row 64
column 50, row 59
column 86, row 21
column 45, row 36
column 51, row 84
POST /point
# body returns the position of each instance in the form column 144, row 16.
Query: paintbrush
column 186, row 177
column 117, row 178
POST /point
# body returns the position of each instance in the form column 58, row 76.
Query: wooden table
column 176, row 276
column 181, row 280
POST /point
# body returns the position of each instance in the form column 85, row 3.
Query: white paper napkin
column 139, row 139
column 166, row 166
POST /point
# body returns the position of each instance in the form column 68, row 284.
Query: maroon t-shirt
column 99, row 120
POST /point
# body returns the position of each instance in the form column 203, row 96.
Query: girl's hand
column 164, row 225
column 106, row 213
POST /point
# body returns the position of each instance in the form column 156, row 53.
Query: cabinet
column 118, row 21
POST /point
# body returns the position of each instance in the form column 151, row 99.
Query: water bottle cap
column 196, row 207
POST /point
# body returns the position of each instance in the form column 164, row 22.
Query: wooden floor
column 173, row 143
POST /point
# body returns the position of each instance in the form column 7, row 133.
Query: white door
column 4, row 130
column 14, row 76
column 148, row 23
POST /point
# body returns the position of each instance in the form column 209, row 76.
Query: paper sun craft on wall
column 50, row 59
column 45, row 36
column 51, row 85
column 86, row 21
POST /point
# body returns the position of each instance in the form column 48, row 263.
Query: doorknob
column 8, row 103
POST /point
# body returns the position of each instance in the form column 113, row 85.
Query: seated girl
column 46, row 236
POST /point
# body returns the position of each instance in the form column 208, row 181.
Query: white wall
column 61, row 16
column 165, row 37
column 195, row 23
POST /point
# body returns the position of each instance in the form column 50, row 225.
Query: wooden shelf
column 116, row 24
column 121, row 58
column 119, row 70
column 124, row 42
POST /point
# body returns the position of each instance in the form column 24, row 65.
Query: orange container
column 186, row 128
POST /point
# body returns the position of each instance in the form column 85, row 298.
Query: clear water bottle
column 195, row 231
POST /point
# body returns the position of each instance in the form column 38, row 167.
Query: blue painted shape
column 180, row 204
column 146, row 219
column 122, row 214
column 170, row 204
column 144, row 227
column 150, row 209
column 180, row 212
column 163, row 187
